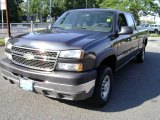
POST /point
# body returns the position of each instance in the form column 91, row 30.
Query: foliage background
column 39, row 9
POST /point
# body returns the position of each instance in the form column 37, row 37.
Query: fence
column 21, row 28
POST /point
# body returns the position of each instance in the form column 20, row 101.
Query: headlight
column 8, row 55
column 9, row 46
column 77, row 54
column 70, row 67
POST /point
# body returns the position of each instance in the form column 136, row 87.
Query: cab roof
column 99, row 9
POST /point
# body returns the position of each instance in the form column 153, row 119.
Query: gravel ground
column 135, row 96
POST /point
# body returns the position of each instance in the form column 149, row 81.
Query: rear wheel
column 141, row 56
column 156, row 31
column 103, row 87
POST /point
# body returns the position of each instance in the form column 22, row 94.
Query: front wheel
column 103, row 87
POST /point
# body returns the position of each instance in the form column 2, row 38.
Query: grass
column 154, row 35
column 2, row 42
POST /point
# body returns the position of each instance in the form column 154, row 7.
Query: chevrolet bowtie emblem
column 28, row 56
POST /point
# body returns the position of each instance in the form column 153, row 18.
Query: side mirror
column 49, row 27
column 125, row 30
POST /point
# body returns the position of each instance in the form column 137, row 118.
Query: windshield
column 95, row 21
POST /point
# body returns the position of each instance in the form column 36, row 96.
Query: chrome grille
column 34, row 64
column 38, row 53
column 45, row 60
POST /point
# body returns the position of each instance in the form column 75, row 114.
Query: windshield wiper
column 85, row 28
column 82, row 28
column 58, row 28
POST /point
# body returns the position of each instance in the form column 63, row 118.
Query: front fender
column 103, row 55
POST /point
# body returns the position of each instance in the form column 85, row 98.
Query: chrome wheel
column 105, row 87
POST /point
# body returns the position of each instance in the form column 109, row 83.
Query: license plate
column 26, row 84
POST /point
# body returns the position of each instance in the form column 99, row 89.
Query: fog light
column 8, row 55
column 8, row 46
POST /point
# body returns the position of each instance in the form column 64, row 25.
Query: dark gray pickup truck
column 76, row 58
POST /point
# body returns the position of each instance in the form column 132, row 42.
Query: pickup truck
column 154, row 28
column 76, row 58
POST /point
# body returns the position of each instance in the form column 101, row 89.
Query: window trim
column 133, row 20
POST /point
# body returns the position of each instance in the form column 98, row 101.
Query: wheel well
column 110, row 61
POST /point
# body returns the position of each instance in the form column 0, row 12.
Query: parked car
column 77, row 58
column 145, row 25
column 154, row 28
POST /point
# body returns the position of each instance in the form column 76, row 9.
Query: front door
column 124, row 43
column 134, row 36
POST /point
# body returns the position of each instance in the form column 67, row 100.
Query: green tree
column 78, row 4
column 58, row 7
column 39, row 8
column 14, row 10
column 133, row 6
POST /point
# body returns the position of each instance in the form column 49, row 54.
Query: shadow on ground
column 134, row 84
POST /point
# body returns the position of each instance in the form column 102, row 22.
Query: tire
column 141, row 56
column 103, row 87
column 156, row 31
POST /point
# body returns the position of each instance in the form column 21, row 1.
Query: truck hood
column 58, row 39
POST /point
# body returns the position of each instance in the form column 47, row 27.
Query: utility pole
column 28, row 11
column 50, row 10
column 86, row 4
column 8, row 20
column 2, row 8
column 2, row 24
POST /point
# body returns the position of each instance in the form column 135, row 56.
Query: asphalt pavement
column 135, row 96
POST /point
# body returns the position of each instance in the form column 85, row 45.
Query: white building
column 155, row 19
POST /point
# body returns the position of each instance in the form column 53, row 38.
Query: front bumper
column 61, row 85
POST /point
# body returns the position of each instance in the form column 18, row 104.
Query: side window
column 121, row 21
column 130, row 21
